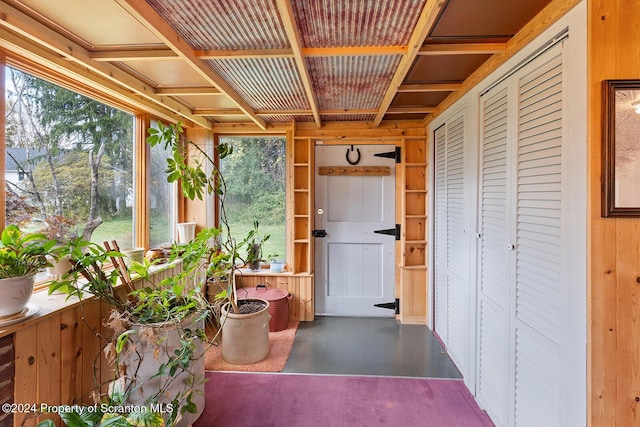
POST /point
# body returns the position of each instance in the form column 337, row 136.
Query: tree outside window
column 255, row 178
column 75, row 156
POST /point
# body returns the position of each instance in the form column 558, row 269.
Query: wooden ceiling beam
column 155, row 53
column 288, row 20
column 427, row 19
column 187, row 90
column 147, row 16
column 462, row 49
column 354, row 51
column 33, row 31
column 71, row 74
column 244, row 53
column 430, row 87
column 210, row 112
column 115, row 55
column 411, row 110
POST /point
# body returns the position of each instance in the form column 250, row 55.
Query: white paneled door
column 354, row 265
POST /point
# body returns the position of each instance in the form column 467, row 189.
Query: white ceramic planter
column 58, row 268
column 186, row 232
column 15, row 293
column 144, row 363
column 245, row 337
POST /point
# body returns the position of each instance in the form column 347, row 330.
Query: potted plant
column 22, row 255
column 188, row 164
column 61, row 230
column 254, row 243
column 158, row 340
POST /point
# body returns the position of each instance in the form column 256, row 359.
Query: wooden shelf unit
column 412, row 268
column 302, row 201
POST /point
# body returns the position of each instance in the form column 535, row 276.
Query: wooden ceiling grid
column 270, row 61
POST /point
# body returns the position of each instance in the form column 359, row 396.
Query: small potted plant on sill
column 158, row 342
column 22, row 255
column 61, row 230
column 254, row 243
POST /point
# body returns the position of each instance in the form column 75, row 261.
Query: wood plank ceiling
column 270, row 61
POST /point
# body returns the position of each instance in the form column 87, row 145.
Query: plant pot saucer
column 27, row 312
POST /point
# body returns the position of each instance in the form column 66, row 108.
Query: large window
column 255, row 189
column 69, row 162
column 162, row 199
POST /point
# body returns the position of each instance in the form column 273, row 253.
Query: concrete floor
column 368, row 346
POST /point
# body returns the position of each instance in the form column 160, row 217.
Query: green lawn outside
column 120, row 229
column 275, row 244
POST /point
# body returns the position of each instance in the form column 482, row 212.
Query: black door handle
column 319, row 233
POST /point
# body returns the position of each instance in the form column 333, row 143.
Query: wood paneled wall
column 54, row 360
column 59, row 359
column 614, row 244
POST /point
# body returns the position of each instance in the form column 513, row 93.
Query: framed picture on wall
column 621, row 148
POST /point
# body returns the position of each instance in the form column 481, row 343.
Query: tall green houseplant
column 187, row 165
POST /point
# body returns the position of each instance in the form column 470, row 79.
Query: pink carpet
column 252, row 400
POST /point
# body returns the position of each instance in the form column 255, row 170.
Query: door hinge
column 390, row 231
column 396, row 154
column 390, row 305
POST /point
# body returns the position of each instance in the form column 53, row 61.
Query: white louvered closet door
column 451, row 288
column 538, row 297
column 440, row 231
column 520, row 258
column 457, row 285
column 494, row 259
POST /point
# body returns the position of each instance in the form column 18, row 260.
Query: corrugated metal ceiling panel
column 353, row 82
column 348, row 117
column 265, row 83
column 331, row 23
column 286, row 119
column 225, row 24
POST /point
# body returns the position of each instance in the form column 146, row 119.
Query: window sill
column 54, row 304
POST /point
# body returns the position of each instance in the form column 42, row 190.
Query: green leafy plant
column 187, row 164
column 254, row 242
column 23, row 254
column 108, row 412
column 185, row 167
column 143, row 310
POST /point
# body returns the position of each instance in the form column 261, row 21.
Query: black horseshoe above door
column 357, row 158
